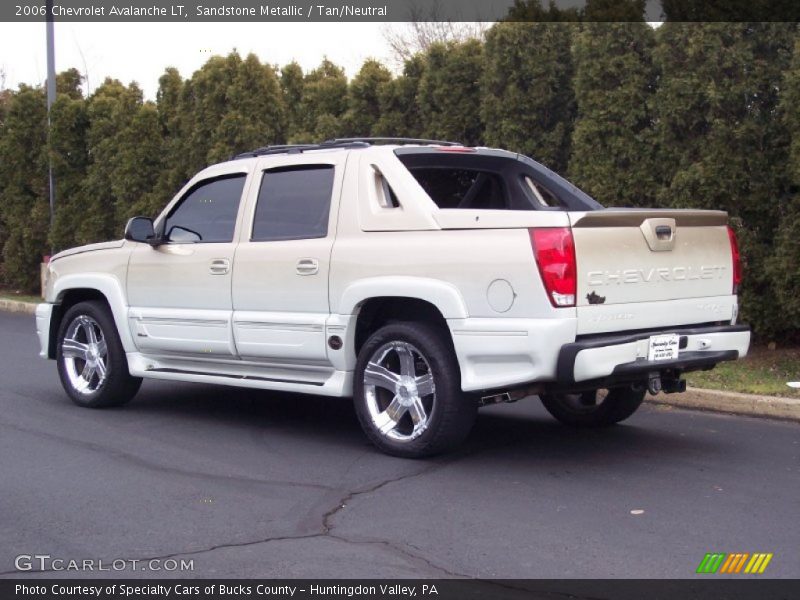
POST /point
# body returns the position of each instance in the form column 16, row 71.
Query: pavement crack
column 399, row 549
column 327, row 526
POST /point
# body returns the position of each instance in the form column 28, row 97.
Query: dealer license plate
column 663, row 347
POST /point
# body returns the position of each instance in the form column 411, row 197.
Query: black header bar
column 265, row 11
column 399, row 589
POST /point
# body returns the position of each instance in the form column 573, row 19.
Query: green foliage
column 205, row 104
column 397, row 100
column 721, row 145
column 614, row 11
column 5, row 101
column 730, row 10
column 138, row 164
column 528, row 102
column 535, row 11
column 292, row 90
column 784, row 265
column 363, row 105
column 700, row 115
column 174, row 129
column 70, row 158
column 450, row 92
column 612, row 144
column 610, row 11
column 790, row 101
column 123, row 142
column 24, row 205
column 255, row 111
column 784, row 271
column 323, row 104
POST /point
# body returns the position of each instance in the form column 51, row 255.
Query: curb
column 16, row 306
column 773, row 407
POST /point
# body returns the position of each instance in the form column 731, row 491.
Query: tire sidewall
column 446, row 378
column 104, row 395
column 619, row 404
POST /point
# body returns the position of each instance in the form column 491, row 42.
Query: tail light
column 554, row 251
column 736, row 259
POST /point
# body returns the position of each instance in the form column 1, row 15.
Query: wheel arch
column 444, row 296
column 69, row 290
column 376, row 312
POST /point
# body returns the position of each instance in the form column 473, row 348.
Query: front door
column 179, row 293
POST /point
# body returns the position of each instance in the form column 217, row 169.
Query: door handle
column 307, row 266
column 220, row 266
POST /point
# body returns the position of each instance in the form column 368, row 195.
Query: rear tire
column 91, row 361
column 594, row 409
column 407, row 391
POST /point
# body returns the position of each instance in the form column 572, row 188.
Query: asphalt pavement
column 258, row 484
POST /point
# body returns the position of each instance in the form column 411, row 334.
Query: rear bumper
column 44, row 313
column 623, row 358
column 505, row 353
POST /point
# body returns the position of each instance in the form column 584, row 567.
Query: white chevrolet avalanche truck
column 423, row 279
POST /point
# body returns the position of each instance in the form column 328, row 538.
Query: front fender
column 112, row 290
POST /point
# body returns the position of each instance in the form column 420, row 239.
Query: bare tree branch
column 426, row 27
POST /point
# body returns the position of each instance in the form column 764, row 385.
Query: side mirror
column 140, row 229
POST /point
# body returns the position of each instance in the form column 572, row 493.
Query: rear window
column 491, row 179
column 463, row 188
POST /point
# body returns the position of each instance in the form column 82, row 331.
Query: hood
column 89, row 248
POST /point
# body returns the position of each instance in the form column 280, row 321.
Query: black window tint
column 207, row 213
column 293, row 203
column 462, row 188
column 509, row 172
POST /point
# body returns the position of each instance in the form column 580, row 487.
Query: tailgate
column 649, row 268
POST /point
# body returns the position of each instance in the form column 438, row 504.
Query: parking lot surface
column 257, row 484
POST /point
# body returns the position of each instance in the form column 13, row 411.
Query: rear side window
column 482, row 178
column 462, row 188
column 293, row 203
column 540, row 194
column 207, row 213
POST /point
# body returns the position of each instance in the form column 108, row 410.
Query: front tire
column 597, row 408
column 407, row 391
column 91, row 361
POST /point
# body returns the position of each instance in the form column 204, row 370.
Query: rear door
column 280, row 278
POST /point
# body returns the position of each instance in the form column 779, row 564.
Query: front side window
column 294, row 203
column 207, row 213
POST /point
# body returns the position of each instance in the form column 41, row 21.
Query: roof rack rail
column 356, row 142
column 299, row 148
column 393, row 140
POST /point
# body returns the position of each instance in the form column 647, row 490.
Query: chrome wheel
column 399, row 391
column 85, row 355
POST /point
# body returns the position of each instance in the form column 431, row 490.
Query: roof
column 342, row 143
